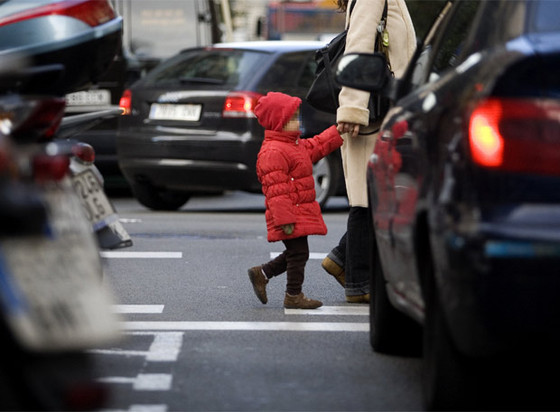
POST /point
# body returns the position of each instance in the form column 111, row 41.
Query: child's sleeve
column 272, row 170
column 322, row 144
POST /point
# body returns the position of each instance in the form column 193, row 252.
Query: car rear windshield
column 209, row 66
column 546, row 16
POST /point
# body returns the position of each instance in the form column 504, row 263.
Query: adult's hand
column 351, row 128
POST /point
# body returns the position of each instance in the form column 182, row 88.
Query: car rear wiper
column 201, row 80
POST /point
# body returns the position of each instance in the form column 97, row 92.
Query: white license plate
column 97, row 206
column 184, row 112
column 52, row 292
column 99, row 97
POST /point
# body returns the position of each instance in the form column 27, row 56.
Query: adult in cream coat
column 349, row 261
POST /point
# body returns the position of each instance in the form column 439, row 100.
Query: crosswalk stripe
column 140, row 255
column 331, row 310
column 138, row 308
column 250, row 326
column 312, row 255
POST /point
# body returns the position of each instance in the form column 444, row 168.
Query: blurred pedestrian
column 285, row 170
column 349, row 261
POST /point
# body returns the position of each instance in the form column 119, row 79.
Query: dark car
column 463, row 187
column 191, row 129
column 147, row 39
column 81, row 35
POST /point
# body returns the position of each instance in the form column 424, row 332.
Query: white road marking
column 331, row 310
column 312, row 255
column 144, row 381
column 148, row 408
column 138, row 308
column 129, row 220
column 153, row 382
column 140, row 255
column 250, row 326
column 165, row 347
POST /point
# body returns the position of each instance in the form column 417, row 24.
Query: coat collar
column 287, row 137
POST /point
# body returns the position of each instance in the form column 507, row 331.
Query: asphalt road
column 195, row 337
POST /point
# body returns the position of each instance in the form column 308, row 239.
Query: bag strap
column 382, row 37
column 327, row 60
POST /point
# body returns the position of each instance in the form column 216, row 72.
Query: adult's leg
column 358, row 250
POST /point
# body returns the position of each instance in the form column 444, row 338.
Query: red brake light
column 125, row 103
column 91, row 12
column 48, row 168
column 240, row 104
column 84, row 152
column 516, row 135
column 43, row 118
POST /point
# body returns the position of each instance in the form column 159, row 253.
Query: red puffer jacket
column 285, row 169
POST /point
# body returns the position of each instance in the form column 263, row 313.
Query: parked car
column 147, row 39
column 463, row 188
column 190, row 126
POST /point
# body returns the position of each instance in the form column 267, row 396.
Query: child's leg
column 296, row 256
column 276, row 266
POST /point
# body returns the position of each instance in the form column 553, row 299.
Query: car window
column 289, row 72
column 224, row 67
column 453, row 40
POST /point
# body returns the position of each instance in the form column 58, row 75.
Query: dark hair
column 342, row 4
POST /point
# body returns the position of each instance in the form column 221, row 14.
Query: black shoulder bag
column 323, row 93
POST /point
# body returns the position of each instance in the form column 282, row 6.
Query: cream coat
column 353, row 103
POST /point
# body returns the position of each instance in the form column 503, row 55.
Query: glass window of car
column 285, row 74
column 453, row 39
column 214, row 66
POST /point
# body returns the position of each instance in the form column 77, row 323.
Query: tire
column 391, row 331
column 156, row 199
column 326, row 173
column 450, row 378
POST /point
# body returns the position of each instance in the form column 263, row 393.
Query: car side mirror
column 363, row 71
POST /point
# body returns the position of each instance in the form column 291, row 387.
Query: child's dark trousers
column 292, row 261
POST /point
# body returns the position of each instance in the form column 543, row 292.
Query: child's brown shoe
column 335, row 270
column 259, row 281
column 301, row 302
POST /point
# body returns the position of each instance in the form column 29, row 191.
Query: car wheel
column 157, row 199
column 326, row 173
column 450, row 378
column 391, row 331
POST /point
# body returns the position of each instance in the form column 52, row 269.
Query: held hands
column 288, row 229
column 351, row 128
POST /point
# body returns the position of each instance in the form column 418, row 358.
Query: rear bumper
column 190, row 164
column 500, row 294
column 190, row 175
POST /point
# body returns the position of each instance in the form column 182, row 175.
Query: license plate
column 100, row 97
column 184, row 112
column 52, row 291
column 98, row 208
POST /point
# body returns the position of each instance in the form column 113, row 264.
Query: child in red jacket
column 285, row 170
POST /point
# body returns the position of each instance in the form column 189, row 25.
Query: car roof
column 273, row 45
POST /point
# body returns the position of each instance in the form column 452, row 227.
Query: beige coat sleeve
column 362, row 25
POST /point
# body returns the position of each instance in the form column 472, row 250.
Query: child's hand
column 288, row 229
column 352, row 128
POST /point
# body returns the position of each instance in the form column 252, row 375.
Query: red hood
column 275, row 109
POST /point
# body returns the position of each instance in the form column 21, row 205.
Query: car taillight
column 516, row 135
column 91, row 12
column 125, row 103
column 50, row 168
column 240, row 104
column 84, row 152
column 40, row 120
